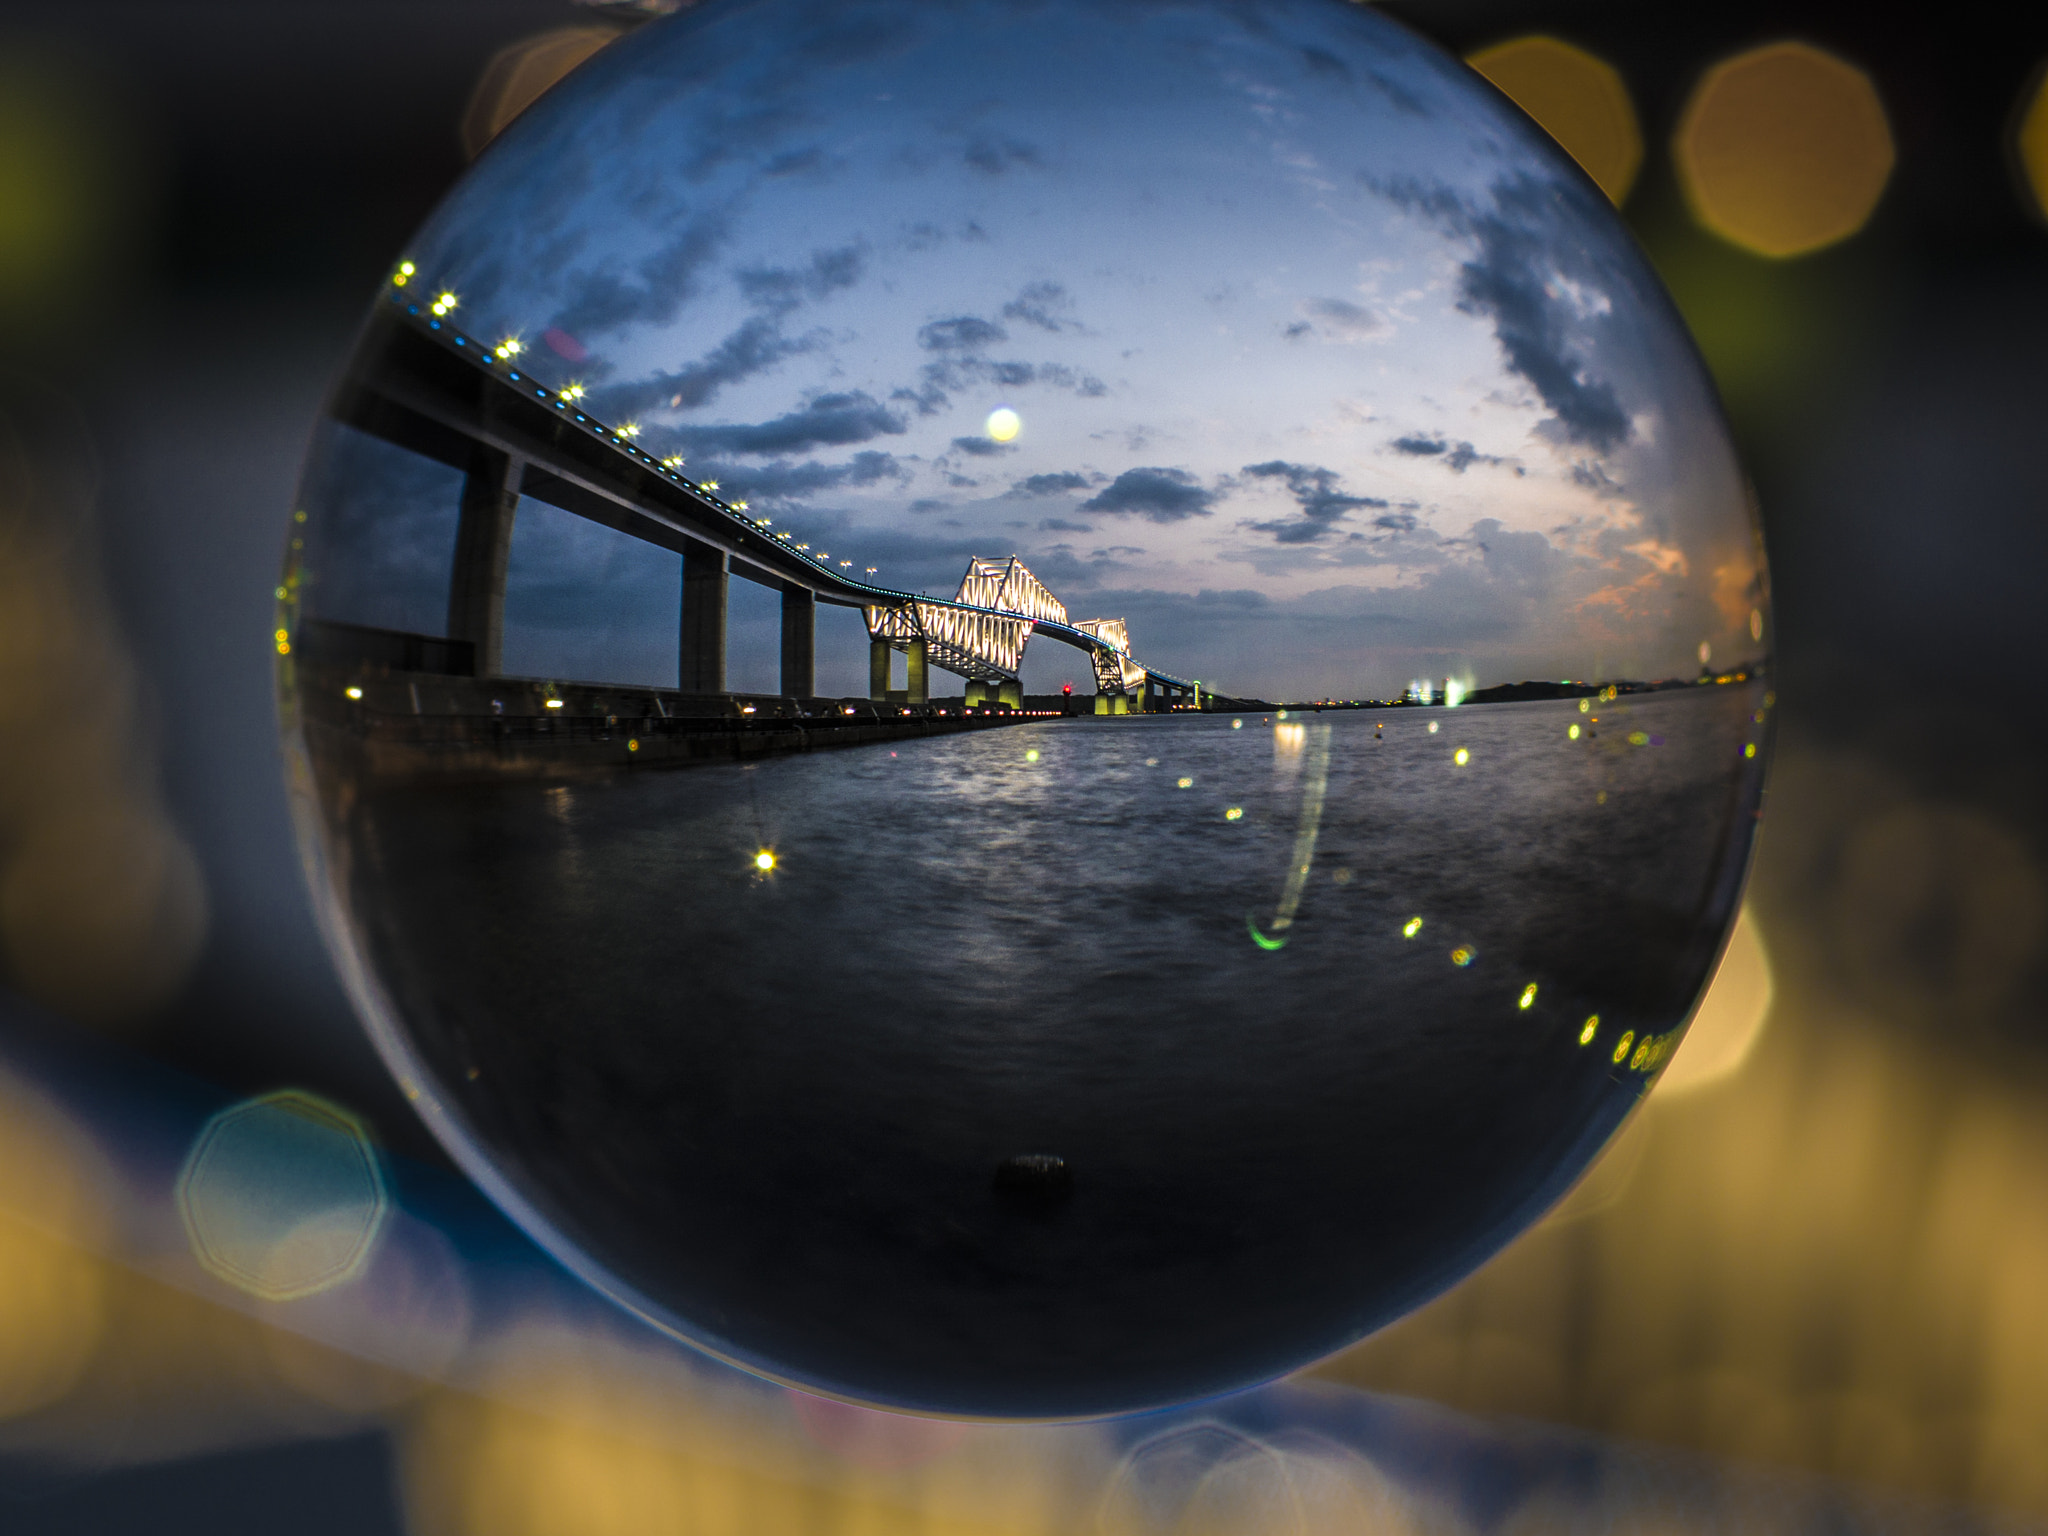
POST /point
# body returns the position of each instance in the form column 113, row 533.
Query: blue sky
column 1331, row 371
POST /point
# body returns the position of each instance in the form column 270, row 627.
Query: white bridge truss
column 980, row 634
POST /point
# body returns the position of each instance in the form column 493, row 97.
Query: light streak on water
column 1305, row 834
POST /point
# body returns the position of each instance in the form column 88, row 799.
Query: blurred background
column 242, row 1291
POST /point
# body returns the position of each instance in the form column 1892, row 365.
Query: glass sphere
column 1024, row 707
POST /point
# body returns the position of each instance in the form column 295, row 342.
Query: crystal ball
column 1024, row 707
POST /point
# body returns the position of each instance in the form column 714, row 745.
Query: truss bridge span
column 981, row 633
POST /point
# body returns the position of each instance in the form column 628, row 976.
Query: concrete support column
column 977, row 694
column 483, row 553
column 920, row 689
column 878, row 670
column 1011, row 692
column 701, row 651
column 799, row 641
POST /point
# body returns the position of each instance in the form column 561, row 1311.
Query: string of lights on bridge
column 445, row 303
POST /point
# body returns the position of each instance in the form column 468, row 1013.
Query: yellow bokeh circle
column 1577, row 99
column 1784, row 149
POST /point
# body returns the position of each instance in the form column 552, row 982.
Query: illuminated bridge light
column 510, row 347
column 707, row 485
column 1528, row 998
column 446, row 304
column 1621, row 1049
column 764, row 860
column 1463, row 955
column 739, row 506
column 871, row 570
column 630, row 429
column 1411, row 928
column 353, row 692
column 1592, row 1028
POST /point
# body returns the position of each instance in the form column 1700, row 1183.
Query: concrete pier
column 701, row 652
column 878, row 669
column 483, row 554
column 919, row 690
column 799, row 641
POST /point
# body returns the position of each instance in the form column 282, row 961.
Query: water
column 774, row 1103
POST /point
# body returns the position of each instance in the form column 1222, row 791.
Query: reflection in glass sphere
column 794, row 648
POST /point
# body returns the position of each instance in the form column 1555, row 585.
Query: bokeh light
column 2030, row 142
column 517, row 76
column 282, row 1196
column 1730, row 1016
column 1579, row 100
column 1784, row 149
column 52, row 1212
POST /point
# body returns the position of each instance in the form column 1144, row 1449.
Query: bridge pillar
column 483, row 553
column 920, row 690
column 799, row 641
column 977, row 693
column 878, row 670
column 701, row 651
column 1011, row 692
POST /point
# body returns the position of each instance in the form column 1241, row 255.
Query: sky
column 1330, row 371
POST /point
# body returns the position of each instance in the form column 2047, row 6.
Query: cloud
column 780, row 289
column 1514, row 279
column 1342, row 320
column 962, row 333
column 1159, row 495
column 757, row 345
column 605, row 300
column 992, row 156
column 1314, row 489
column 1457, row 457
column 782, row 480
column 1061, row 525
column 1053, row 484
column 826, row 421
column 1039, row 304
column 982, row 447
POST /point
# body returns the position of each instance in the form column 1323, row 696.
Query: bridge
column 421, row 384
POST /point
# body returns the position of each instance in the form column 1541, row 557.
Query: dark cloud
column 962, row 333
column 780, row 289
column 1464, row 455
column 981, row 447
column 1345, row 320
column 826, row 421
column 1511, row 280
column 1160, row 495
column 652, row 293
column 992, row 156
column 782, row 480
column 1593, row 476
column 1457, row 457
column 1061, row 525
column 1041, row 304
column 1053, row 484
column 757, row 345
column 1314, row 489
